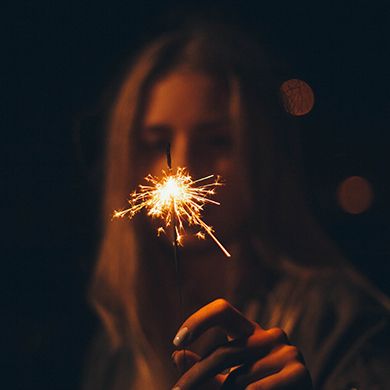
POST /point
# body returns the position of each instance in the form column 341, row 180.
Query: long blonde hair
column 270, row 154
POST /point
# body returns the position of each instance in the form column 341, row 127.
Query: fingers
column 185, row 359
column 259, row 359
column 274, row 362
column 234, row 353
column 217, row 313
column 292, row 376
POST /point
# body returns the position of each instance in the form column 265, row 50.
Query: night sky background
column 59, row 60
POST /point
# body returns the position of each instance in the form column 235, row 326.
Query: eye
column 216, row 141
column 215, row 135
column 154, row 138
column 220, row 141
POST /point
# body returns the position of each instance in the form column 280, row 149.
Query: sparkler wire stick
column 175, row 240
column 176, row 250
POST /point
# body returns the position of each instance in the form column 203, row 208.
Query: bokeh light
column 298, row 97
column 355, row 195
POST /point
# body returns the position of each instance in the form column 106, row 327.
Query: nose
column 186, row 153
column 180, row 148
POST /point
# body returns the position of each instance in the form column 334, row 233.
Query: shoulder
column 366, row 363
column 341, row 289
column 333, row 315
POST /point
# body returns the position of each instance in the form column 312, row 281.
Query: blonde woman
column 286, row 311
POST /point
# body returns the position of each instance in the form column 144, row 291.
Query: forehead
column 187, row 95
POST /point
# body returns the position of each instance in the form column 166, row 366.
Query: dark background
column 60, row 56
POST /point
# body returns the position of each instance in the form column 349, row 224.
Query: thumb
column 184, row 359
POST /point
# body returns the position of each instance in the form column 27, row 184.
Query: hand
column 257, row 358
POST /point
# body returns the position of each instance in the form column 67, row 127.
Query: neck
column 210, row 275
column 205, row 274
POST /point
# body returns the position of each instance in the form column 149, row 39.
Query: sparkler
column 177, row 199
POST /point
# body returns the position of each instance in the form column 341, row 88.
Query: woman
column 286, row 307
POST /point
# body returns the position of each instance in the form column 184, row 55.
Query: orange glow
column 355, row 195
column 298, row 97
column 176, row 199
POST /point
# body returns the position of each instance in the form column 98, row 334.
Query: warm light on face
column 176, row 199
column 191, row 111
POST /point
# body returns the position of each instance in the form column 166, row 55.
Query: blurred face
column 191, row 111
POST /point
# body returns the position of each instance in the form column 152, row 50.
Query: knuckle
column 292, row 352
column 299, row 369
column 277, row 335
column 221, row 304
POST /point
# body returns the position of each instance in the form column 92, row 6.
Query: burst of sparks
column 176, row 199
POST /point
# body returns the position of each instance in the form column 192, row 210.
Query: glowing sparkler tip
column 175, row 198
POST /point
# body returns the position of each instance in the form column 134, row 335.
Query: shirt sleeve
column 366, row 365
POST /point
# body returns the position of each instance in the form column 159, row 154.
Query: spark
column 200, row 235
column 176, row 199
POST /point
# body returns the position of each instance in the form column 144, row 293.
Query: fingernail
column 174, row 361
column 180, row 338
